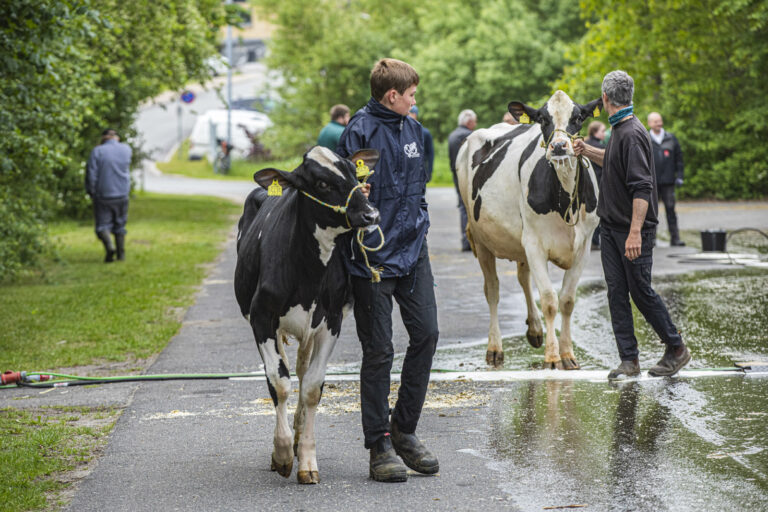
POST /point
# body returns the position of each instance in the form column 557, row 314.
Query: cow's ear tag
column 275, row 189
column 362, row 170
column 596, row 112
column 525, row 119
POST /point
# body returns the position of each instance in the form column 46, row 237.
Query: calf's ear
column 266, row 177
column 593, row 108
column 523, row 113
column 368, row 156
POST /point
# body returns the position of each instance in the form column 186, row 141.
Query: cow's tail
column 251, row 207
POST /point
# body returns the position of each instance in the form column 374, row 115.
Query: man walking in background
column 628, row 207
column 331, row 133
column 467, row 123
column 108, row 182
column 668, row 159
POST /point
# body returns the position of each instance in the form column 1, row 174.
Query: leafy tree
column 69, row 68
column 482, row 54
column 469, row 54
column 702, row 65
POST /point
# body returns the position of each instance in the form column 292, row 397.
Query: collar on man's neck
column 620, row 115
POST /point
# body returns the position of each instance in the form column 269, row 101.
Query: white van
column 200, row 139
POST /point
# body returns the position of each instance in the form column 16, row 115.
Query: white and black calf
column 529, row 199
column 290, row 280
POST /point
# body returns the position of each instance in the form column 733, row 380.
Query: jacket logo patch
column 411, row 151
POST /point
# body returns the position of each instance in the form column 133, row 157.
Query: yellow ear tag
column 596, row 112
column 362, row 170
column 275, row 189
column 525, row 119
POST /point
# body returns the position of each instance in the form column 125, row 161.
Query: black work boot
column 120, row 242
column 107, row 241
column 413, row 452
column 625, row 370
column 674, row 359
column 385, row 466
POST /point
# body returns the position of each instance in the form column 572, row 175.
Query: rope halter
column 362, row 173
column 570, row 218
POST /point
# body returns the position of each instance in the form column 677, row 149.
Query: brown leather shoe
column 385, row 466
column 413, row 452
column 625, row 370
column 674, row 359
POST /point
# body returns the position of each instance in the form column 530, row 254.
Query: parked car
column 243, row 123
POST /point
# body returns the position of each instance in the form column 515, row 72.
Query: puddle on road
column 687, row 444
column 723, row 318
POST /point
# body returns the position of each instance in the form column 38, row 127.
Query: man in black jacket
column 467, row 123
column 668, row 159
column 627, row 207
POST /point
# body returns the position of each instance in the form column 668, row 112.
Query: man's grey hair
column 619, row 87
column 466, row 116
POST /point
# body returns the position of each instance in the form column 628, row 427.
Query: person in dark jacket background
column 467, row 123
column 596, row 138
column 397, row 189
column 108, row 182
column 429, row 145
column 668, row 159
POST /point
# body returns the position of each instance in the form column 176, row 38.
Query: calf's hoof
column 570, row 364
column 536, row 340
column 283, row 470
column 494, row 358
column 554, row 365
column 308, row 477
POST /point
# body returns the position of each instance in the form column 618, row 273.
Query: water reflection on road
column 650, row 445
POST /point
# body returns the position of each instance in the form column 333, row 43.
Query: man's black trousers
column 633, row 278
column 415, row 294
column 667, row 196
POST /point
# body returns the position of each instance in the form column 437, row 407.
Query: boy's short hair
column 392, row 74
column 339, row 111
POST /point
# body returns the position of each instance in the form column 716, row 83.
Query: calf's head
column 560, row 119
column 331, row 186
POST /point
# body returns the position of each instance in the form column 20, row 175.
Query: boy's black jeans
column 633, row 278
column 415, row 294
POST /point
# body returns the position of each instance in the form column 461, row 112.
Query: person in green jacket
column 331, row 133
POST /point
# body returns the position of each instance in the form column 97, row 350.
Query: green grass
column 81, row 311
column 243, row 170
column 38, row 447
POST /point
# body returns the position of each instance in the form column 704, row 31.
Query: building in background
column 248, row 41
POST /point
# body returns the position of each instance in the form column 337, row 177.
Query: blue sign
column 187, row 96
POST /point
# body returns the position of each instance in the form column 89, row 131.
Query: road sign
column 187, row 96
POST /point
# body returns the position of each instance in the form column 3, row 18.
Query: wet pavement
column 689, row 443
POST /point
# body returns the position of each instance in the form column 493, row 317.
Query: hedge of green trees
column 69, row 68
column 701, row 63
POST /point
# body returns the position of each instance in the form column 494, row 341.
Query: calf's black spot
column 476, row 209
column 272, row 392
column 282, row 371
column 527, row 152
column 498, row 148
column 545, row 194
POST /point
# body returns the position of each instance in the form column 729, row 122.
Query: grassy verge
column 243, row 170
column 80, row 311
column 240, row 169
column 39, row 447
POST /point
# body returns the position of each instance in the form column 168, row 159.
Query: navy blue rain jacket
column 398, row 186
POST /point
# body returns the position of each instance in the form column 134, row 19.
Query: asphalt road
column 206, row 445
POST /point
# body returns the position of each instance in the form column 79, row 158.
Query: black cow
column 290, row 280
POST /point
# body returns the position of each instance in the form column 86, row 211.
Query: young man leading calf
column 397, row 190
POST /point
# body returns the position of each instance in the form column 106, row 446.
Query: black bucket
column 713, row 240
